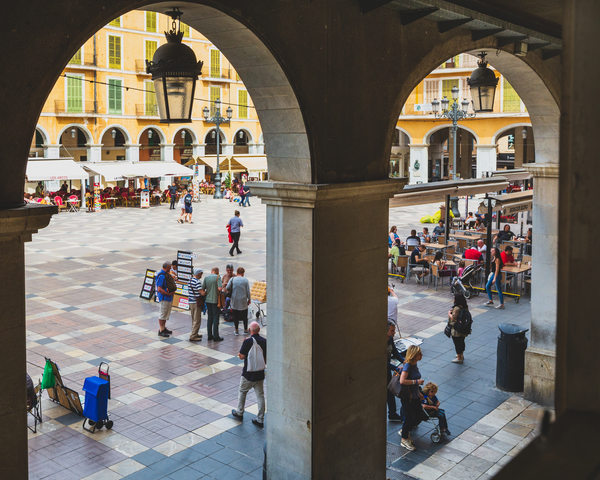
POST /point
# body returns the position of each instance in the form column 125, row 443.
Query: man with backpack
column 165, row 288
column 254, row 354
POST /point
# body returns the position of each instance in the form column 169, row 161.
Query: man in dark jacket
column 392, row 352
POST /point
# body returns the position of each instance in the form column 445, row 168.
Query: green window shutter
column 185, row 29
column 510, row 100
column 215, row 64
column 115, row 97
column 116, row 22
column 77, row 58
column 114, row 52
column 151, row 46
column 215, row 94
column 74, row 94
column 242, row 104
column 151, row 107
column 151, row 21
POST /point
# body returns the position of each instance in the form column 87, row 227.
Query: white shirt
column 393, row 308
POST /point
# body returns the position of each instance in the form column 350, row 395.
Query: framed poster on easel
column 148, row 286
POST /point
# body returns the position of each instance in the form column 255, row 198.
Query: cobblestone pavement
column 171, row 399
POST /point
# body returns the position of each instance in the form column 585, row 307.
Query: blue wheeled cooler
column 96, row 404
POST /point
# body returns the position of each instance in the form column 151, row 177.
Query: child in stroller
column 463, row 283
column 431, row 404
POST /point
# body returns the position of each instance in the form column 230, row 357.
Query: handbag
column 394, row 386
column 448, row 330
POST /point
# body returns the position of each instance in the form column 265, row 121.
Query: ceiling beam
column 448, row 25
column 546, row 54
column 480, row 34
column 503, row 41
column 535, row 46
column 409, row 16
column 367, row 6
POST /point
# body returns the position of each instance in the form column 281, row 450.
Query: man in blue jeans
column 211, row 288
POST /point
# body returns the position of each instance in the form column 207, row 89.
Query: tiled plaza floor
column 171, row 399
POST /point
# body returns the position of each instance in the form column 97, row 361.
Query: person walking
column 392, row 352
column 239, row 287
column 460, row 303
column 211, row 289
column 181, row 206
column 165, row 288
column 187, row 203
column 173, row 195
column 247, row 195
column 196, row 303
column 495, row 277
column 254, row 354
column 411, row 400
column 235, row 223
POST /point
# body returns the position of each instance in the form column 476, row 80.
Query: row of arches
column 241, row 135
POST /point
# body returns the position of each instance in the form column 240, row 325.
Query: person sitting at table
column 440, row 229
column 424, row 236
column 482, row 247
column 413, row 240
column 470, row 220
column 443, row 270
column 479, row 226
column 416, row 259
column 392, row 236
column 507, row 256
column 504, row 236
column 397, row 250
column 473, row 254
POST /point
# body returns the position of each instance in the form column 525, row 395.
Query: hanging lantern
column 483, row 84
column 174, row 71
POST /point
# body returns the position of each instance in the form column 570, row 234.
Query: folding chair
column 35, row 410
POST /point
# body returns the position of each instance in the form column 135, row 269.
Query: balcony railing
column 86, row 59
column 61, row 107
column 140, row 67
column 142, row 110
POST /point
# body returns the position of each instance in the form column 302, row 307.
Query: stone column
column 227, row 149
column 94, row 152
column 166, row 152
column 519, row 147
column 198, row 149
column 486, row 159
column 466, row 155
column 326, row 384
column 52, row 151
column 419, row 164
column 16, row 227
column 132, row 152
column 540, row 356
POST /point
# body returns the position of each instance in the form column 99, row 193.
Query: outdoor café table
column 518, row 272
column 73, row 205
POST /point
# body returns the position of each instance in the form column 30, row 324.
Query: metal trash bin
column 96, row 403
column 510, row 366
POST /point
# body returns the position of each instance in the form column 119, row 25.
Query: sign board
column 145, row 199
column 148, row 286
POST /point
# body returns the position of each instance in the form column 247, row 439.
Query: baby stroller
column 463, row 284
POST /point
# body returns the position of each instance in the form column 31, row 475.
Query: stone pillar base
column 540, row 374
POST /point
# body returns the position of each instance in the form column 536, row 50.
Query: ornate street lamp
column 174, row 71
column 454, row 113
column 483, row 83
column 217, row 120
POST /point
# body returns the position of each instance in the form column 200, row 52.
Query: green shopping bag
column 48, row 380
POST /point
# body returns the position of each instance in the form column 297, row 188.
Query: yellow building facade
column 422, row 148
column 103, row 107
